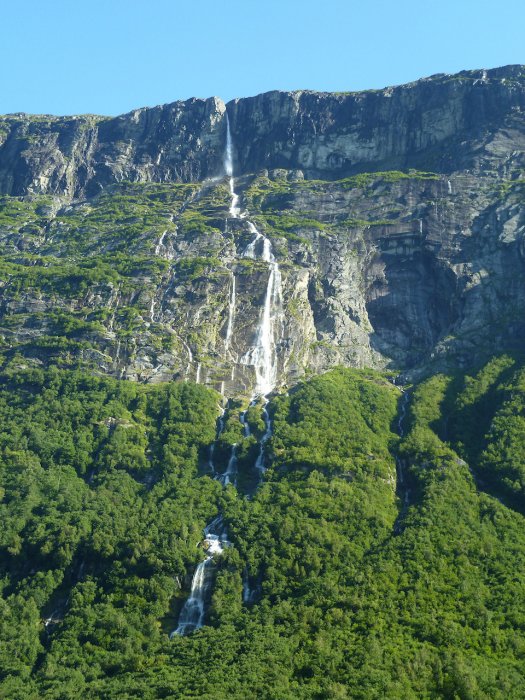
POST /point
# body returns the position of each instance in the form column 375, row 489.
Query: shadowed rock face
column 78, row 156
column 407, row 270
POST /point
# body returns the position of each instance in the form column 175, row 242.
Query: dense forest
column 385, row 557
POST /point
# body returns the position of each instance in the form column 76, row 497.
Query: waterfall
column 262, row 355
column 228, row 153
column 231, row 314
column 230, row 475
column 259, row 464
column 190, row 357
column 191, row 616
column 246, row 590
column 234, row 213
column 235, row 210
column 249, row 594
column 160, row 243
column 249, row 251
column 244, row 423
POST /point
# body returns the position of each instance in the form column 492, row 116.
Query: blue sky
column 108, row 57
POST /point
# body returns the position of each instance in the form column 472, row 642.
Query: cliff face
column 119, row 251
column 78, row 156
column 443, row 123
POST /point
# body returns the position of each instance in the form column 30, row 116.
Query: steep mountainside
column 396, row 217
column 331, row 504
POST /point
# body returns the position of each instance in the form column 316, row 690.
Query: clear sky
column 109, row 56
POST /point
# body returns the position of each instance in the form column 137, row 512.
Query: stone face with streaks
column 397, row 217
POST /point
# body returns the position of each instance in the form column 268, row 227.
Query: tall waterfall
column 262, row 355
column 235, row 210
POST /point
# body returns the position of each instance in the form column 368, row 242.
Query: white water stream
column 191, row 616
column 230, row 475
column 231, row 313
column 160, row 243
column 262, row 355
column 235, row 210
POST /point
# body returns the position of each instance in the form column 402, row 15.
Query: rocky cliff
column 396, row 217
column 443, row 123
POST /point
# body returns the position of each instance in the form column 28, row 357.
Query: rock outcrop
column 397, row 217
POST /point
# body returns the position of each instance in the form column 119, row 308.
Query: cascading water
column 235, row 210
column 245, row 425
column 259, row 464
column 263, row 353
column 231, row 314
column 191, row 617
column 160, row 243
column 249, row 251
column 230, row 475
column 263, row 357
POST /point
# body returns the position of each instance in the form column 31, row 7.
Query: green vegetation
column 277, row 203
column 101, row 510
column 192, row 268
column 487, row 426
column 362, row 587
column 356, row 594
column 363, row 180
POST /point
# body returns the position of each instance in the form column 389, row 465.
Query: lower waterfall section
column 193, row 613
column 191, row 616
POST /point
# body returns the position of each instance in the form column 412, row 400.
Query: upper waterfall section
column 442, row 123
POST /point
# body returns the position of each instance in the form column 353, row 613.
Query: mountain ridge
column 509, row 69
column 328, row 135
